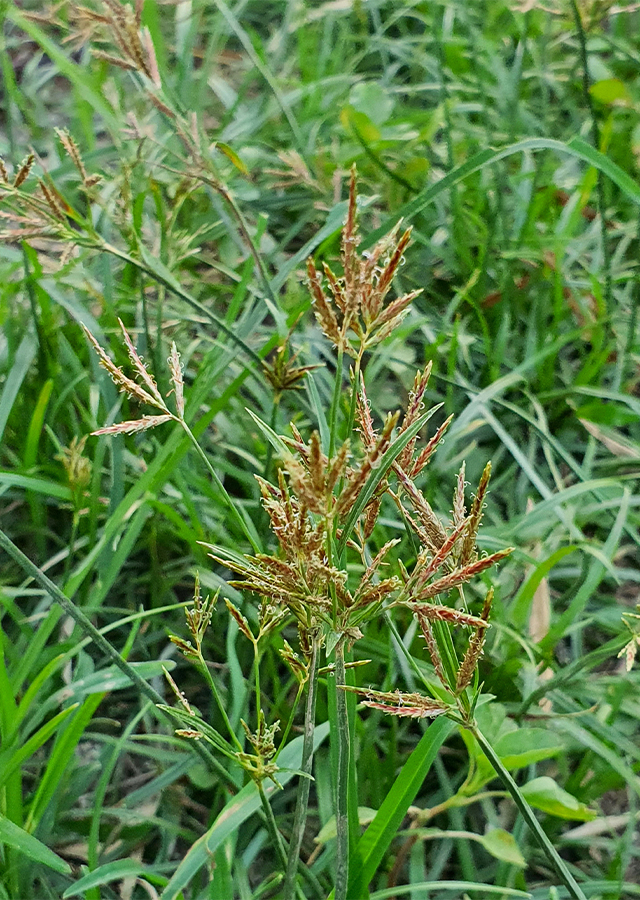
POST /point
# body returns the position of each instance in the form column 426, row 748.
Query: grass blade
column 375, row 842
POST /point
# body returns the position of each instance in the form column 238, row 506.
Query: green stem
column 272, row 827
column 72, row 547
column 528, row 815
column 216, row 696
column 214, row 475
column 272, row 424
column 226, row 194
column 342, row 785
column 100, row 244
column 302, row 800
column 287, row 730
column 256, row 674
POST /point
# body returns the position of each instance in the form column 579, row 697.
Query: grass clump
column 180, row 168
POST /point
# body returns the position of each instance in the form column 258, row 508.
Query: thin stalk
column 528, row 815
column 287, row 730
column 99, row 243
column 228, row 197
column 272, row 424
column 256, row 673
column 218, row 700
column 302, row 800
column 72, row 547
column 272, row 827
column 214, row 475
column 342, row 785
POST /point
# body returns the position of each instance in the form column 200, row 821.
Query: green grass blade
column 78, row 76
column 112, row 871
column 34, row 849
column 375, row 842
column 12, row 758
column 460, row 887
column 25, row 354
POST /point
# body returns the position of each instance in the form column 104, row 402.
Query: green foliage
column 187, row 160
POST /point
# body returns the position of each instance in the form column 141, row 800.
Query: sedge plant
column 325, row 575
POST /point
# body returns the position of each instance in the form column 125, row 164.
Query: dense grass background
column 527, row 262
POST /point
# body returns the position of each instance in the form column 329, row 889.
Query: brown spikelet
column 176, row 378
column 189, row 733
column 23, row 172
column 363, row 410
column 336, row 287
column 243, row 625
column 414, row 408
column 397, row 703
column 185, row 647
column 474, row 650
column 114, row 60
column 316, row 466
column 435, row 613
column 459, row 509
column 24, row 234
column 431, row 530
column 394, row 312
column 72, row 151
column 349, row 245
column 427, row 452
column 134, row 426
column 629, row 652
column 324, row 314
column 140, row 367
column 4, row 175
column 358, row 478
column 337, row 467
column 416, row 397
column 459, row 576
column 52, row 202
column 161, row 106
column 423, row 572
column 372, row 511
column 118, row 377
column 299, row 669
column 176, row 690
column 475, row 516
column 386, row 276
column 432, row 647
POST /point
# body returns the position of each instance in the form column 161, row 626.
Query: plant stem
column 214, row 475
column 342, row 786
column 528, row 815
column 302, row 800
column 216, row 696
column 272, row 827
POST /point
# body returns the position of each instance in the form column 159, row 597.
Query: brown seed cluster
column 353, row 314
column 324, row 507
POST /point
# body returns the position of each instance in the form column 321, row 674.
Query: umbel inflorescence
column 324, row 505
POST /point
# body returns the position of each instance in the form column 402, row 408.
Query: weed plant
column 376, row 708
